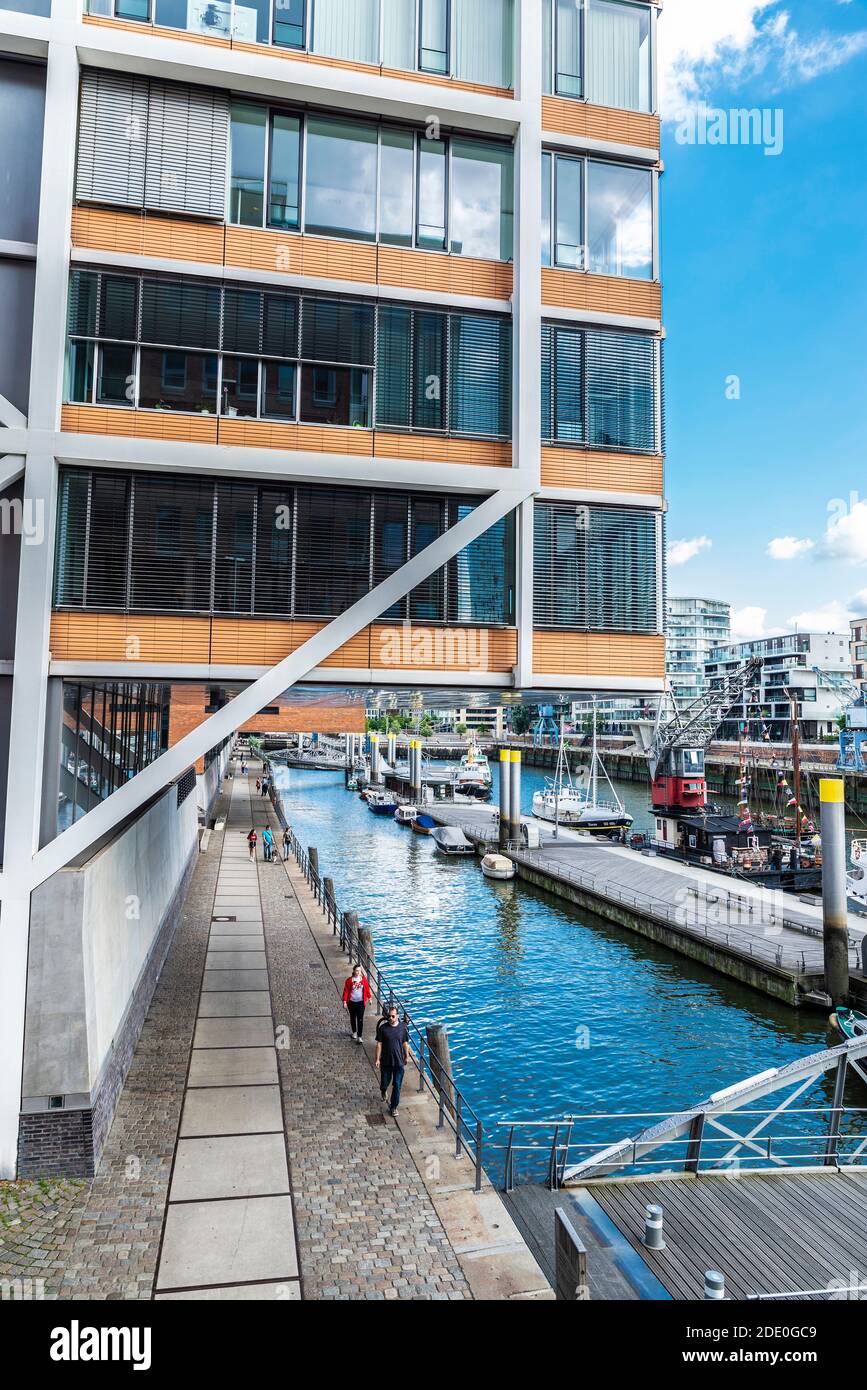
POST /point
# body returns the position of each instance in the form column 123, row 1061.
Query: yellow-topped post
column 505, row 798
column 515, row 795
column 834, row 893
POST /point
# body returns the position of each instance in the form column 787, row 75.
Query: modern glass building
column 696, row 626
column 319, row 319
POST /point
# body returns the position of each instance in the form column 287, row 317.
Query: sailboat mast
column 796, row 761
column 595, row 771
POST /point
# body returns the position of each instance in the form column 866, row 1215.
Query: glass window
column 426, row 601
column 395, row 187
column 251, row 20
column 484, row 42
column 278, row 401
column 115, row 382
column 398, row 33
column 482, row 207
column 273, row 573
column 335, row 396
column 289, row 22
column 432, row 195
column 341, row 178
column 567, row 48
column 620, row 215
column 247, row 191
column 569, row 247
column 233, row 549
column 569, row 386
column 618, row 61
column 178, row 381
column 132, row 9
column 333, row 551
column 480, row 390
column 283, row 202
column 178, row 14
column 346, row 31
column 429, row 371
column 240, row 389
column 433, row 40
column 79, row 371
column 547, row 160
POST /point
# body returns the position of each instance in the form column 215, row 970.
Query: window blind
column 180, row 313
column 595, row 568
column 112, row 136
column 337, row 331
column 187, row 146
column 602, row 389
column 480, row 394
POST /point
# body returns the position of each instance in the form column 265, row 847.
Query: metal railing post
column 479, row 1142
column 421, row 1043
column 458, row 1122
column 833, row 1146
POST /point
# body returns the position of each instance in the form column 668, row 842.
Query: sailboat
column 576, row 801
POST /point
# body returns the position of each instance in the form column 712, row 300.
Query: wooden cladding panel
column 568, row 117
column 637, row 656
column 129, row 637
column 276, row 51
column 479, row 452
column 424, row 270
column 139, row 424
column 319, row 439
column 272, row 434
column 266, row 641
column 611, row 472
column 606, row 294
column 256, row 249
column 143, row 234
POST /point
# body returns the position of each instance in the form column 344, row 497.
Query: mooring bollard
column 834, row 891
column 328, row 898
column 440, row 1062
column 313, row 859
column 714, row 1285
column 654, row 1238
column 365, row 947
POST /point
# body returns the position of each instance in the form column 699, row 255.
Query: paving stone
column 238, row 1165
column 234, row 1032
column 228, row 1243
column 235, row 960
column 235, row 1004
column 233, row 1066
column 215, row 980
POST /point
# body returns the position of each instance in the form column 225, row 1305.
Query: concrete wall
column 98, row 935
column 208, row 783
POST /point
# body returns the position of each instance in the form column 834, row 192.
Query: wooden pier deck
column 769, row 939
column 767, row 1233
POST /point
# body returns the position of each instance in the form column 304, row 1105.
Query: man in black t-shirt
column 392, row 1055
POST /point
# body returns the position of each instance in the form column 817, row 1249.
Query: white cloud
column 788, row 548
column 679, row 552
column 846, row 536
column 858, row 603
column 830, row 617
column 704, row 41
column 749, row 624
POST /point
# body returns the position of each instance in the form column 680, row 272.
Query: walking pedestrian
column 252, row 840
column 268, row 844
column 392, row 1055
column 258, row 784
column 356, row 992
column 286, row 843
column 266, row 782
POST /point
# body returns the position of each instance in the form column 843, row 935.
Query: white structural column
column 29, row 686
column 527, row 336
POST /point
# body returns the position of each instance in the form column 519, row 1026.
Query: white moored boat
column 405, row 815
column 473, row 777
column 576, row 801
column 856, row 878
column 498, row 866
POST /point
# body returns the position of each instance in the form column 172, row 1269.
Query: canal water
column 550, row 1010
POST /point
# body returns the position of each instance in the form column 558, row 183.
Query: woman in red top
column 356, row 993
column 252, row 840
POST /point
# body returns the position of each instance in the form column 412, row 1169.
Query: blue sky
column 763, row 276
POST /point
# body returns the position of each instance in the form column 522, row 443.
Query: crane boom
column 676, row 753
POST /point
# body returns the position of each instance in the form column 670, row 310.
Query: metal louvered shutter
column 480, row 389
column 112, row 138
column 622, row 391
column 332, row 564
column 187, row 144
column 481, row 578
column 595, row 568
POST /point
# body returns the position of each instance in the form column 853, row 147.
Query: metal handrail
column 454, row 1110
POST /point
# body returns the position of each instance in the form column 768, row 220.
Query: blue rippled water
column 550, row 1011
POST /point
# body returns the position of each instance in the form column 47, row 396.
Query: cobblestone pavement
column 365, row 1224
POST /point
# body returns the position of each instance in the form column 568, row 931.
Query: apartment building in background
column 330, row 360
column 858, row 648
column 813, row 669
column 695, row 627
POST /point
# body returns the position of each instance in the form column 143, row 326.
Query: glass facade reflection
column 110, row 732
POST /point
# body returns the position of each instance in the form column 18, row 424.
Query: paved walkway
column 229, row 1230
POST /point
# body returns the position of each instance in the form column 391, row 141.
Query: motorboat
column 381, row 804
column 499, row 867
column 575, row 800
column 451, row 841
column 851, row 1023
column 423, row 825
column 405, row 815
column 473, row 777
